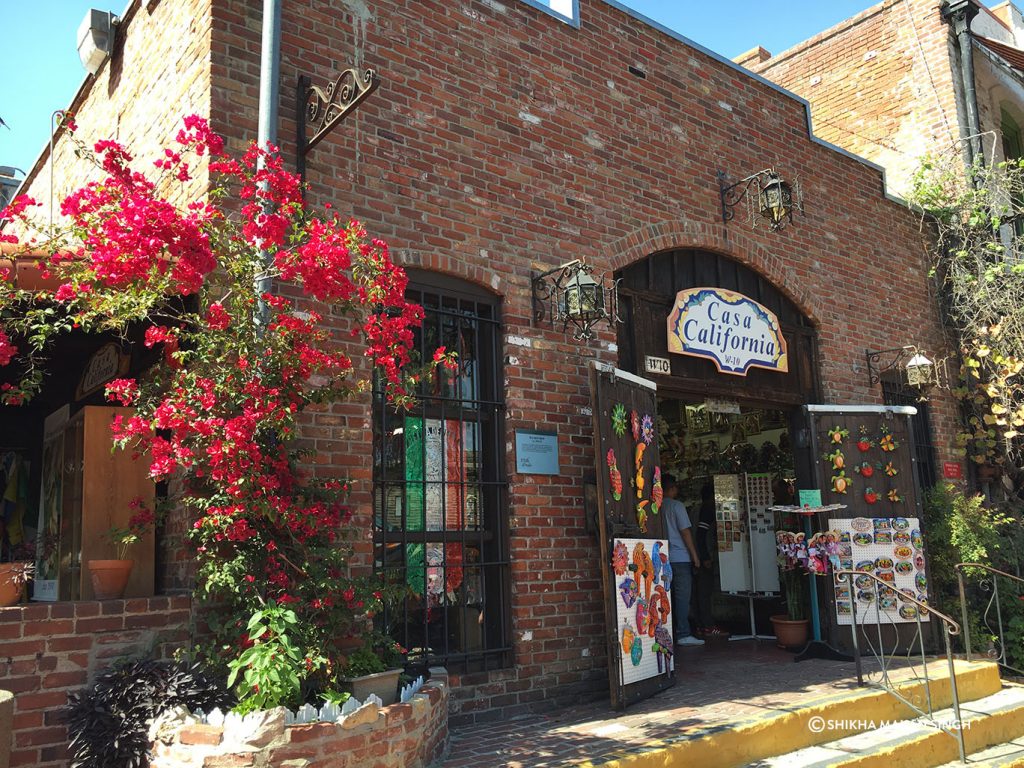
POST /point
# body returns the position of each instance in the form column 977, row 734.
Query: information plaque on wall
column 536, row 452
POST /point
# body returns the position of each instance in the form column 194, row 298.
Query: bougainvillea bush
column 222, row 292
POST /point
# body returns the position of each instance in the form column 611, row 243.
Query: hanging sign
column 105, row 364
column 735, row 332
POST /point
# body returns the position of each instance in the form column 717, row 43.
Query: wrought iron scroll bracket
column 323, row 108
column 882, row 360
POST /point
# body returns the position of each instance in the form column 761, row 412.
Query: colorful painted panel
column 643, row 579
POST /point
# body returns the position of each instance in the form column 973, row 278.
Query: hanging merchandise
column 870, row 495
column 837, row 458
column 614, row 476
column 840, row 482
column 864, row 444
column 865, row 469
column 620, row 559
column 646, row 430
column 887, row 442
column 634, row 421
column 643, row 609
column 837, row 435
column 619, row 419
column 894, row 496
column 889, row 469
column 657, row 492
column 641, row 515
column 640, row 447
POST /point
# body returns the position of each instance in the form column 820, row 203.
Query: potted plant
column 110, row 577
column 373, row 668
column 791, row 628
column 16, row 573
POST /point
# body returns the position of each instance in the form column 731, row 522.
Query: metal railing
column 889, row 661
column 989, row 583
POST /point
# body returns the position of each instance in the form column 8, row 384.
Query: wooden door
column 635, row 572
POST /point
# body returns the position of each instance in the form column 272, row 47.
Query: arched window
column 440, row 487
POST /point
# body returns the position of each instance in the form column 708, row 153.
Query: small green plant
column 378, row 654
column 794, row 583
column 267, row 672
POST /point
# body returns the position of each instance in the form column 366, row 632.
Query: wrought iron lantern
column 776, row 198
column 914, row 367
column 569, row 294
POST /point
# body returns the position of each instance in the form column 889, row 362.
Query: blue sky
column 41, row 71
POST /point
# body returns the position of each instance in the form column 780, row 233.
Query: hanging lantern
column 775, row 201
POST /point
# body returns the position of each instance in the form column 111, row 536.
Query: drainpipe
column 959, row 14
column 270, row 75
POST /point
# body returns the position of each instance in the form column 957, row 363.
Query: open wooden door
column 635, row 574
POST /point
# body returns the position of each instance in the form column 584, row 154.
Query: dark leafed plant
column 108, row 723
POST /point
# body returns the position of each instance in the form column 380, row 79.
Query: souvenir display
column 614, row 476
column 882, row 547
column 870, row 495
column 865, row 469
column 863, row 443
column 634, row 422
column 639, row 462
column 643, row 609
column 894, row 496
column 657, row 492
column 889, row 469
column 620, row 558
column 836, row 435
column 646, row 429
column 887, row 442
column 840, row 482
column 619, row 419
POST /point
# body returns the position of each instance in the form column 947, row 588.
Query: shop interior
column 732, row 462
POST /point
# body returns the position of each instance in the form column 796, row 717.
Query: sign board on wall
column 105, row 364
column 951, row 470
column 657, row 365
column 733, row 331
column 536, row 452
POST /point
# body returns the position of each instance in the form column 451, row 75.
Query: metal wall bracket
column 324, row 108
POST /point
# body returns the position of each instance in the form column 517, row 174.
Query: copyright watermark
column 818, row 724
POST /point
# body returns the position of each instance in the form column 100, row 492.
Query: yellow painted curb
column 741, row 743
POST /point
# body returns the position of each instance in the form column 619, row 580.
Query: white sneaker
column 689, row 640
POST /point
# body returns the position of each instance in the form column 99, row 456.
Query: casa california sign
column 734, row 331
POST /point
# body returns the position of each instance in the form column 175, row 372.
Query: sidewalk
column 717, row 685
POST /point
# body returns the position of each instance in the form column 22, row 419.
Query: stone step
column 745, row 742
column 916, row 743
column 1007, row 755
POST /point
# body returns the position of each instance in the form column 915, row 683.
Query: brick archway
column 455, row 266
column 678, row 233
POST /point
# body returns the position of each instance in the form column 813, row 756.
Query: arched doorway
column 735, row 441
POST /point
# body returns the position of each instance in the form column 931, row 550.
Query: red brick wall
column 49, row 650
column 503, row 141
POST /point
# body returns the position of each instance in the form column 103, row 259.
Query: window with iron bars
column 896, row 393
column 440, row 514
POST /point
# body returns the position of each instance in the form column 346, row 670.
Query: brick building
column 507, row 139
column 890, row 83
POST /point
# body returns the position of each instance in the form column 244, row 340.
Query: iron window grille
column 440, row 491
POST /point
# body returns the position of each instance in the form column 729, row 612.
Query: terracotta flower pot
column 789, row 633
column 11, row 588
column 109, row 577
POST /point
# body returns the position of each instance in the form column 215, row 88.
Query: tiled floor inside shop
column 717, row 685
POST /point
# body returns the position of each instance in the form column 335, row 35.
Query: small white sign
column 721, row 406
column 657, row 365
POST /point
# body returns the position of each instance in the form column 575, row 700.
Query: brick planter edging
column 410, row 735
